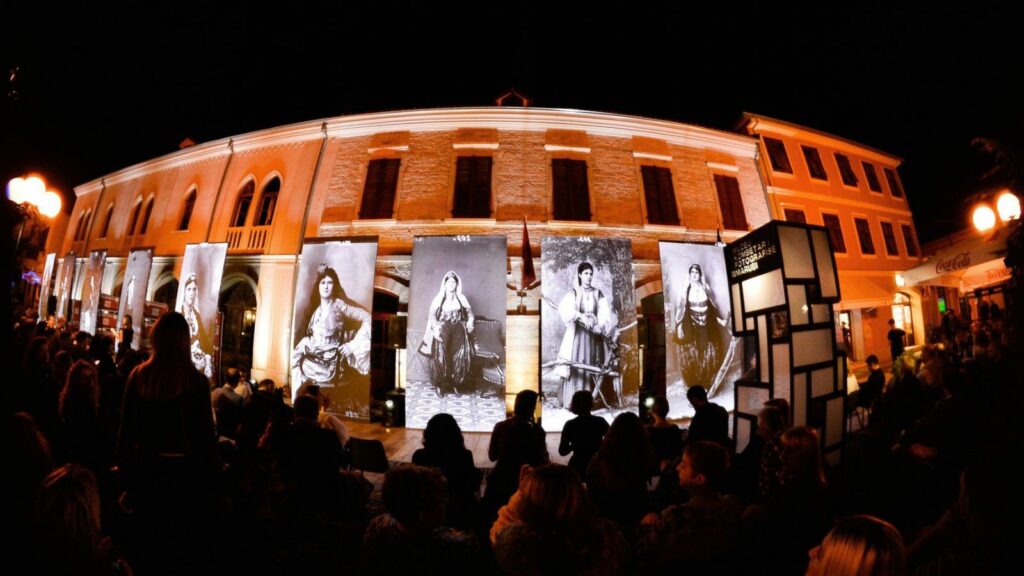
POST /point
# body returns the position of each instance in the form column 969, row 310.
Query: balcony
column 248, row 239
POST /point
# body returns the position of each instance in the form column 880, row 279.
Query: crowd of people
column 127, row 463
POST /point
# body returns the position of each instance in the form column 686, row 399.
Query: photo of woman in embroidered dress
column 199, row 337
column 700, row 348
column 588, row 327
column 454, row 360
column 587, row 317
column 449, row 326
column 202, row 268
column 331, row 341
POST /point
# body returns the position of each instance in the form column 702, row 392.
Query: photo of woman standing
column 449, row 326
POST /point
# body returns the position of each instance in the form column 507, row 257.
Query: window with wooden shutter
column 835, row 232
column 889, row 237
column 794, row 215
column 570, row 189
column 186, row 210
column 268, row 203
column 778, row 156
column 867, row 244
column 242, row 204
column 730, row 202
column 379, row 189
column 895, row 188
column 814, row 165
column 908, row 240
column 869, row 170
column 472, row 187
column 660, row 195
column 846, row 170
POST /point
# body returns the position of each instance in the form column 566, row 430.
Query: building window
column 268, row 202
column 660, row 195
column 777, row 155
column 814, row 165
column 472, row 187
column 794, row 215
column 146, row 215
column 835, row 232
column 241, row 212
column 186, row 211
column 869, row 170
column 135, row 217
column 867, row 245
column 889, row 237
column 379, row 189
column 83, row 226
column 571, row 190
column 908, row 240
column 730, row 202
column 846, row 170
column 895, row 188
column 106, row 221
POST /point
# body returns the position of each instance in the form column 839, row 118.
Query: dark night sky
column 99, row 89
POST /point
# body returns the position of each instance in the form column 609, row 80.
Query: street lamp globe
column 1008, row 206
column 984, row 218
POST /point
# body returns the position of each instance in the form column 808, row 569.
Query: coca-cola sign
column 947, row 265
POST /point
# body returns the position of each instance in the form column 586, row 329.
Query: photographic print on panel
column 456, row 331
column 133, row 293
column 700, row 347
column 331, row 335
column 65, row 281
column 198, row 291
column 588, row 327
column 92, row 280
column 44, row 288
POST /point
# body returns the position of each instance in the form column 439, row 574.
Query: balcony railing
column 248, row 239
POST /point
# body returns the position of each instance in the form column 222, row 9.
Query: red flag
column 529, row 274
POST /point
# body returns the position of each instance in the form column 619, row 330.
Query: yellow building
column 855, row 191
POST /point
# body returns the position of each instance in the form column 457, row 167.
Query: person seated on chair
column 583, row 434
column 710, row 421
column 515, row 441
column 310, row 457
column 445, row 448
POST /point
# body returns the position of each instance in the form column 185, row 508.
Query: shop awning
column 967, row 265
column 865, row 291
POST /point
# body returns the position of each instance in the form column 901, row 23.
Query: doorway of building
column 903, row 315
column 845, row 334
column 651, row 339
column 237, row 306
column 383, row 351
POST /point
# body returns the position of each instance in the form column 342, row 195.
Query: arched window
column 106, row 221
column 268, row 202
column 135, row 217
column 83, row 225
column 241, row 213
column 146, row 215
column 186, row 211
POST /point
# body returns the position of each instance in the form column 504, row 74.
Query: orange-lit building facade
column 855, row 191
column 397, row 175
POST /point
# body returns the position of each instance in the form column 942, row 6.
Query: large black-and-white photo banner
column 92, row 280
column 588, row 327
column 202, row 268
column 133, row 293
column 332, row 322
column 44, row 288
column 700, row 349
column 65, row 282
column 456, row 331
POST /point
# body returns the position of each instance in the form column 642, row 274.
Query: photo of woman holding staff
column 447, row 337
column 700, row 331
column 587, row 317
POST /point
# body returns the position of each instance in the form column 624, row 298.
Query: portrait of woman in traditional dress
column 197, row 330
column 336, row 343
column 586, row 313
column 700, row 331
column 447, row 336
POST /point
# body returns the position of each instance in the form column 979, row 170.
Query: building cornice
column 194, row 154
column 825, row 200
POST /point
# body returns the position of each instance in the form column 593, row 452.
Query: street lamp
column 32, row 191
column 1007, row 206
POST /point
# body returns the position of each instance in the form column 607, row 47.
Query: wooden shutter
column 835, row 231
column 660, row 195
column 867, row 245
column 379, row 189
column 571, row 190
column 730, row 202
column 793, row 215
column 472, row 187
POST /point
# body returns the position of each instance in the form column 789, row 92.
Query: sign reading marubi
column 754, row 253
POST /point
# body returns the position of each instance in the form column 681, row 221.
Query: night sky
column 97, row 90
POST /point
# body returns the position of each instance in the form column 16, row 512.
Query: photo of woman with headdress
column 336, row 341
column 197, row 330
column 700, row 331
column 447, row 337
column 587, row 317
